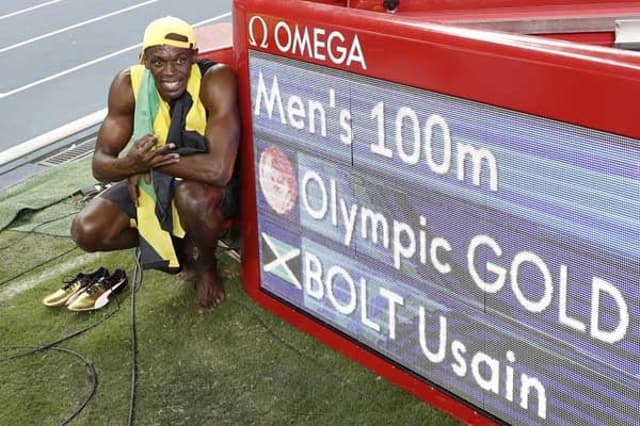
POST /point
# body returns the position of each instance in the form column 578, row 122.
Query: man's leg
column 186, row 255
column 200, row 208
column 104, row 224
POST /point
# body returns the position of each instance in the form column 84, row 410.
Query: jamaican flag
column 182, row 123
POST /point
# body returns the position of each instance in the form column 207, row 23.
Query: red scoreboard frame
column 584, row 85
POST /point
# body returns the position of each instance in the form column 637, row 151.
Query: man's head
column 169, row 50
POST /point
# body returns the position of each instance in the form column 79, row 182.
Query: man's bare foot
column 209, row 291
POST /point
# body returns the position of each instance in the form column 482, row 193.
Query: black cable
column 297, row 351
column 37, row 266
column 92, row 373
column 38, row 209
column 137, row 282
column 84, row 200
column 94, row 385
column 51, row 345
column 32, row 230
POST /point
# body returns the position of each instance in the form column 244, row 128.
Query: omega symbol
column 262, row 23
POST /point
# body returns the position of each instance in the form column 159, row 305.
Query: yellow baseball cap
column 169, row 31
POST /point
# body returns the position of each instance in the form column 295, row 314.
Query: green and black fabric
column 182, row 123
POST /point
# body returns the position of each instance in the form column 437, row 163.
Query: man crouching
column 174, row 183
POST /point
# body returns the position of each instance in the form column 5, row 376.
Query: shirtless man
column 202, row 184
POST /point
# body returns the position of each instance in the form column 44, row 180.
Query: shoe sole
column 103, row 300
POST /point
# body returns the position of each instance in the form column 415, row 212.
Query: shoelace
column 71, row 281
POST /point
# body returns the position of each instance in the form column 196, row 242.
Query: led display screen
column 490, row 252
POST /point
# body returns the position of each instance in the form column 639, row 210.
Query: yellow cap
column 169, row 31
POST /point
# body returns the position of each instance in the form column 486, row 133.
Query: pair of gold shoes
column 87, row 292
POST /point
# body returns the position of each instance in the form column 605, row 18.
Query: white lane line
column 67, row 71
column 67, row 267
column 94, row 61
column 74, row 26
column 29, row 9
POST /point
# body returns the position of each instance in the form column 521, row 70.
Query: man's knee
column 100, row 226
column 200, row 208
column 198, row 199
column 84, row 232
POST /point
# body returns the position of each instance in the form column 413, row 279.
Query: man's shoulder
column 219, row 87
column 121, row 92
column 123, row 77
column 218, row 73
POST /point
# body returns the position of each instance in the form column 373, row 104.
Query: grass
column 238, row 365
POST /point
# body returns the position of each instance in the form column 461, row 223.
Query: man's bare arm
column 219, row 96
column 114, row 134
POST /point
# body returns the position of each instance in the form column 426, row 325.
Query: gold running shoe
column 96, row 295
column 73, row 287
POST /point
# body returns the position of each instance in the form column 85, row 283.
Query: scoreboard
column 488, row 251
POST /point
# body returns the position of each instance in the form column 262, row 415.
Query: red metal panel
column 476, row 6
column 589, row 86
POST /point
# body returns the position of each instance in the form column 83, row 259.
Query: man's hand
column 145, row 156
